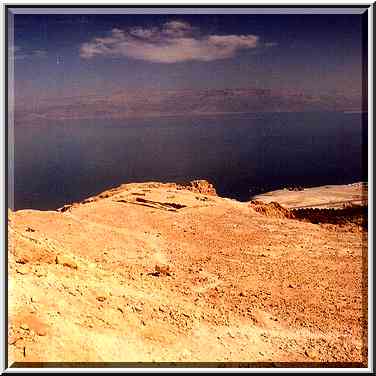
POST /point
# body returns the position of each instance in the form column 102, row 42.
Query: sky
column 66, row 55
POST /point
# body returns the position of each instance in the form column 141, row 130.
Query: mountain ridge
column 143, row 103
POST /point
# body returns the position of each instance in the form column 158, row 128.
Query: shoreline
column 324, row 197
column 287, row 197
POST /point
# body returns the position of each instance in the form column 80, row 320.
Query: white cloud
column 175, row 41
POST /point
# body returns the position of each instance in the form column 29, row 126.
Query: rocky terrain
column 153, row 272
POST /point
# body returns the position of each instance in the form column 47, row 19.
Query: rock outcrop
column 199, row 186
column 272, row 209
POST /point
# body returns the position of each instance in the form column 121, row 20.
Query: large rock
column 199, row 186
column 272, row 209
column 66, row 261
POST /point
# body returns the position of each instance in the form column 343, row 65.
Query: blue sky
column 65, row 55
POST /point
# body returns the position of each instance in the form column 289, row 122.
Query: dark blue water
column 65, row 161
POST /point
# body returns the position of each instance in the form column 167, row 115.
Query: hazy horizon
column 317, row 58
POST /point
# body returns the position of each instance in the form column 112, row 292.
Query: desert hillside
column 158, row 272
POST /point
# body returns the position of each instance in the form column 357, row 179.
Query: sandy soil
column 160, row 273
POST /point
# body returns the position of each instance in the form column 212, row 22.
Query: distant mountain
column 144, row 103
